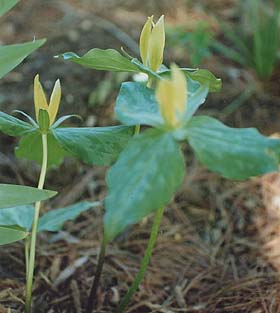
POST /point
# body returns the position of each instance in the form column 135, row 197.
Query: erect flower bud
column 152, row 41
column 172, row 97
column 40, row 100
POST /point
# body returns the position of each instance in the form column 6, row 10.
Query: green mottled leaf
column 235, row 153
column 195, row 99
column 136, row 104
column 30, row 148
column 14, row 195
column 95, row 145
column 13, row 126
column 145, row 178
column 54, row 219
column 7, row 5
column 11, row 234
column 109, row 60
column 204, row 77
column 21, row 216
column 99, row 59
column 12, row 55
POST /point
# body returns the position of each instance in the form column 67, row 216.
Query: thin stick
column 29, row 281
column 93, row 292
column 145, row 262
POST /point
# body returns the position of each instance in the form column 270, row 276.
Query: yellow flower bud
column 152, row 41
column 54, row 101
column 172, row 97
column 144, row 39
column 40, row 100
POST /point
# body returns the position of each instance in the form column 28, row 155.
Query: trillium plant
column 46, row 142
column 151, row 167
column 10, row 195
column 148, row 165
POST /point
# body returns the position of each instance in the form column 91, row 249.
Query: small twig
column 76, row 296
column 93, row 292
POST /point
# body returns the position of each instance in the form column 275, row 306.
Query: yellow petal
column 172, row 97
column 180, row 89
column 164, row 95
column 156, row 45
column 40, row 100
column 54, row 101
column 144, row 39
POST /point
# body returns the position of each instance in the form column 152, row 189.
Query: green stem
column 150, row 82
column 137, row 130
column 26, row 252
column 31, row 264
column 93, row 292
column 144, row 263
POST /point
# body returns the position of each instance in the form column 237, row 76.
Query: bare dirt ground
column 212, row 254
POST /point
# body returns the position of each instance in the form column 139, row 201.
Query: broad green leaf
column 30, row 148
column 54, row 219
column 12, row 55
column 11, row 234
column 108, row 60
column 13, row 126
column 136, row 104
column 204, row 77
column 21, row 216
column 235, row 153
column 7, row 5
column 195, row 100
column 144, row 69
column 14, row 195
column 99, row 59
column 97, row 145
column 145, row 178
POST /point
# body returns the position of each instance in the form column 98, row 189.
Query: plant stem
column 144, row 263
column 94, row 288
column 31, row 264
column 150, row 82
column 100, row 263
column 137, row 130
column 26, row 252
